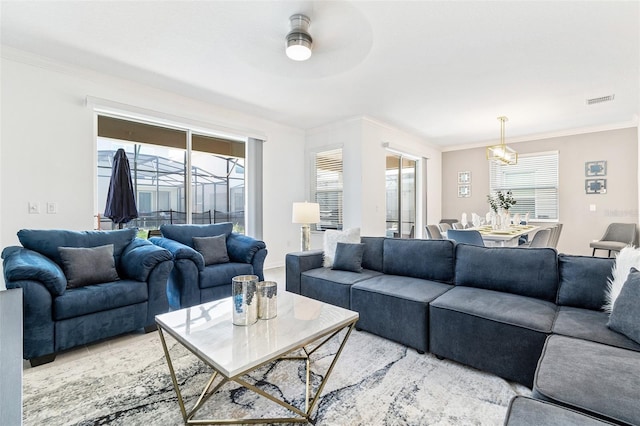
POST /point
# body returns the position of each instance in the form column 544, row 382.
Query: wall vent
column 601, row 99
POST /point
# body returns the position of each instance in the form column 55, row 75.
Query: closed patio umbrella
column 121, row 199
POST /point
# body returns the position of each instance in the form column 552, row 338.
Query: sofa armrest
column 179, row 251
column 242, row 248
column 21, row 264
column 299, row 262
column 140, row 257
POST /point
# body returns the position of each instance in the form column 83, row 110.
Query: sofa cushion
column 47, row 241
column 222, row 274
column 85, row 266
column 212, row 249
column 348, row 257
column 415, row 289
column 373, row 252
column 521, row 311
column 531, row 272
column 525, row 411
column 583, row 280
column 591, row 377
column 332, row 286
column 331, row 240
column 185, row 233
column 590, row 325
column 99, row 297
column 625, row 316
column 427, row 259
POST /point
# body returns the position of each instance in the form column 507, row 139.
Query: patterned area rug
column 375, row 382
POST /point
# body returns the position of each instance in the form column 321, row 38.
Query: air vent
column 601, row 99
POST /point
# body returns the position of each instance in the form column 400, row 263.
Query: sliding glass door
column 401, row 196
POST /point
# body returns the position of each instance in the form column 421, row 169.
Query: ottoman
column 591, row 377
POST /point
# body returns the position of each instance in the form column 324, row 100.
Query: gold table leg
column 209, row 390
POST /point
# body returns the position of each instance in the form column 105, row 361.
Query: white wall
column 364, row 164
column 48, row 148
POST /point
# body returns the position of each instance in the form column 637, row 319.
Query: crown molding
column 549, row 135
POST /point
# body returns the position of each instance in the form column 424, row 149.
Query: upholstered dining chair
column 433, row 232
column 445, row 226
column 540, row 239
column 468, row 236
column 616, row 237
column 457, row 225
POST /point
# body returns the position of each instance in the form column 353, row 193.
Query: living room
column 51, row 90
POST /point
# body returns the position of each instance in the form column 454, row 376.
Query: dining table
column 507, row 237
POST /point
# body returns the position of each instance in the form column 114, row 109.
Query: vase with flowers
column 500, row 203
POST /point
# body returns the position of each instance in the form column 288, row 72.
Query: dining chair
column 433, row 232
column 540, row 239
column 445, row 226
column 616, row 237
column 457, row 225
column 468, row 236
column 555, row 235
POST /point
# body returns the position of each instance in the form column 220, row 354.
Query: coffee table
column 302, row 326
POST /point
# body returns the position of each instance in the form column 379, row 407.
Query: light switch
column 34, row 207
column 592, row 207
column 52, row 207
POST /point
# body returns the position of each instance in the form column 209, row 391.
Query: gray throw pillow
column 348, row 257
column 626, row 308
column 213, row 249
column 85, row 266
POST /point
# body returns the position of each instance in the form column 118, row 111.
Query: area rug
column 375, row 382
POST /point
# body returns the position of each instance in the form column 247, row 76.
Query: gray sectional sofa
column 508, row 311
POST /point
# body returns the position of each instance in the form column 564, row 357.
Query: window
column 534, row 183
column 159, row 159
column 327, row 188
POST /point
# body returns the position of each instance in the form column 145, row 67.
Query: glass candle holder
column 245, row 302
column 267, row 299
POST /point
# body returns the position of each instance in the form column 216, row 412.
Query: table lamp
column 305, row 213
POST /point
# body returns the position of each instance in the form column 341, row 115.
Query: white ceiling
column 443, row 70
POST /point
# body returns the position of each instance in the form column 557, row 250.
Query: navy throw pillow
column 348, row 257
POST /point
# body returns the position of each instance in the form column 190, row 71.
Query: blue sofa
column 495, row 309
column 58, row 315
column 192, row 281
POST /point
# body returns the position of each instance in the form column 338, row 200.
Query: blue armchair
column 196, row 278
column 80, row 287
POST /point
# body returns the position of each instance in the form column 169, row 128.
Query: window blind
column 327, row 188
column 533, row 182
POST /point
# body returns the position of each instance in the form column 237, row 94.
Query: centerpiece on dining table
column 500, row 204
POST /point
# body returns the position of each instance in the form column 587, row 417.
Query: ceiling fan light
column 299, row 41
column 298, row 48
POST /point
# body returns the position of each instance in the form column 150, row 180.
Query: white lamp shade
column 306, row 213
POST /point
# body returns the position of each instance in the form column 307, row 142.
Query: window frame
column 314, row 190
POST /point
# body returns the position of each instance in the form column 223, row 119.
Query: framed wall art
column 595, row 186
column 464, row 191
column 595, row 168
column 464, row 178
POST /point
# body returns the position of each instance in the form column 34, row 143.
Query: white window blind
column 533, row 182
column 327, row 188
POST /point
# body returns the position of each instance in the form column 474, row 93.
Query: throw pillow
column 628, row 258
column 331, row 240
column 212, row 249
column 626, row 309
column 348, row 257
column 85, row 266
